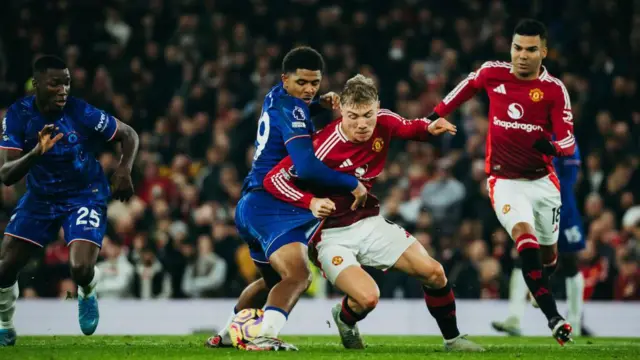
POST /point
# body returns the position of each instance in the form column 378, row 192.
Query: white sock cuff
column 11, row 289
column 272, row 323
column 86, row 290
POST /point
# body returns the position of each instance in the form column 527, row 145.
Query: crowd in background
column 190, row 75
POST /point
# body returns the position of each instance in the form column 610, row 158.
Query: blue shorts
column 267, row 224
column 39, row 222
column 571, row 238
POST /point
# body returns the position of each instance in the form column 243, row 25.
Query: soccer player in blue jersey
column 277, row 232
column 53, row 140
column 571, row 240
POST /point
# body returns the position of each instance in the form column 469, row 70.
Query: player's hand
column 441, row 126
column 322, row 207
column 360, row 194
column 121, row 184
column 45, row 141
column 545, row 146
column 330, row 100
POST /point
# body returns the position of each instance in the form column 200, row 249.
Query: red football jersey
column 363, row 160
column 520, row 112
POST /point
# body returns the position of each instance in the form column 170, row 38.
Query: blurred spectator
column 206, row 273
column 443, row 196
column 116, row 272
column 150, row 281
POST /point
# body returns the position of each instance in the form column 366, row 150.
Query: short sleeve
column 295, row 120
column 98, row 121
column 12, row 131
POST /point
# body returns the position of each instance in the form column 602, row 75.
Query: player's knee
column 520, row 229
column 368, row 300
column 81, row 273
column 301, row 277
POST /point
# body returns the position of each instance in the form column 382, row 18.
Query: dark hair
column 302, row 57
column 45, row 62
column 531, row 27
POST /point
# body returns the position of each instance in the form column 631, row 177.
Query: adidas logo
column 346, row 163
column 501, row 89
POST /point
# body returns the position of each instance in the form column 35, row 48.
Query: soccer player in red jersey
column 352, row 235
column 530, row 122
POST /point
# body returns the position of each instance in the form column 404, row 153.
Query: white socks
column 272, row 322
column 224, row 332
column 575, row 301
column 84, row 291
column 518, row 292
column 8, row 297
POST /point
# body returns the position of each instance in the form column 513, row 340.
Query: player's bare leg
column 291, row 263
column 537, row 281
column 575, row 290
column 253, row 296
column 362, row 296
column 82, row 260
column 438, row 295
column 14, row 255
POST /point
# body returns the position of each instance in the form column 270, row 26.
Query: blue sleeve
column 309, row 167
column 294, row 120
column 12, row 131
column 102, row 123
column 567, row 170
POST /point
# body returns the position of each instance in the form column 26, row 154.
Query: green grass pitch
column 314, row 347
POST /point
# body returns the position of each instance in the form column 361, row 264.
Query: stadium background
column 189, row 76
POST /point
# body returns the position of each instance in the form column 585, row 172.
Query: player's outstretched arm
column 416, row 129
column 466, row 89
column 16, row 166
column 121, row 179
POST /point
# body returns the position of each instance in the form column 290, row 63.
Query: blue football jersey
column 70, row 169
column 571, row 230
column 283, row 119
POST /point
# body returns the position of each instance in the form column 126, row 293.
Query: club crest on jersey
column 378, row 144
column 337, row 260
column 506, row 209
column 298, row 113
column 72, row 138
column 536, row 95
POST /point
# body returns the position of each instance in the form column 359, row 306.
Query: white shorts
column 536, row 202
column 374, row 242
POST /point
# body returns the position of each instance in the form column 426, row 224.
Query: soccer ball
column 245, row 327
